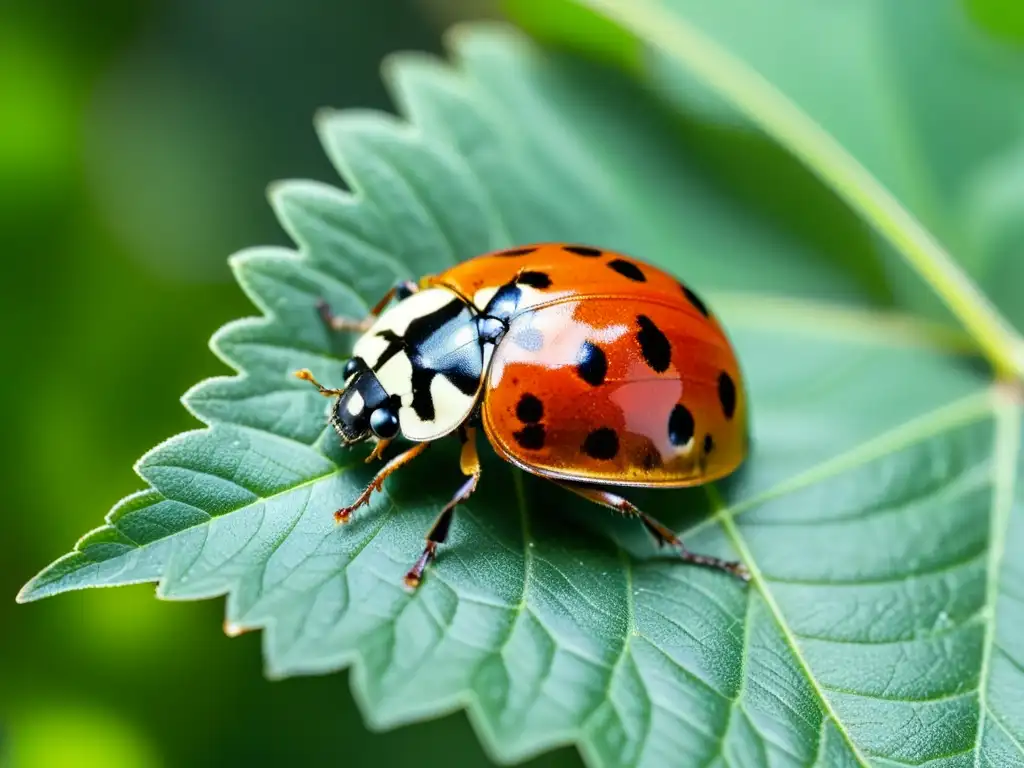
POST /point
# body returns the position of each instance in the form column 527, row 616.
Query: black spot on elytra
column 537, row 280
column 530, row 437
column 628, row 269
column 727, row 394
column 591, row 364
column 680, row 426
column 516, row 252
column 530, row 409
column 582, row 250
column 694, row 299
column 709, row 444
column 654, row 346
column 602, row 443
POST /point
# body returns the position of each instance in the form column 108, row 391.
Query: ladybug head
column 363, row 408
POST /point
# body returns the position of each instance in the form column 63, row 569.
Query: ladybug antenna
column 305, row 375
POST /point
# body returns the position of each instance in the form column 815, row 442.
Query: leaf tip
column 275, row 190
column 489, row 30
column 325, row 115
column 402, row 59
column 27, row 594
column 40, row 585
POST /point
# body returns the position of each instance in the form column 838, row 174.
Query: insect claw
column 411, row 581
column 343, row 516
column 415, row 574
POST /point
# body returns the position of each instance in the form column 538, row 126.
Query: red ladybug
column 584, row 366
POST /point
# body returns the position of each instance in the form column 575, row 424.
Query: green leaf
column 876, row 511
column 896, row 106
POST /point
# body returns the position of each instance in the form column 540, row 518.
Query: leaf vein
column 1006, row 450
column 760, row 582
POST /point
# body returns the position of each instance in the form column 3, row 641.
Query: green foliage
column 876, row 512
column 924, row 98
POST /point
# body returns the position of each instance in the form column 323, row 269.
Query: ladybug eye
column 384, row 423
column 352, row 367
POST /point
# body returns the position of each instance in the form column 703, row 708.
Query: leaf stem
column 779, row 117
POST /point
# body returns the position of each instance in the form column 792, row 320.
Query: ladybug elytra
column 584, row 366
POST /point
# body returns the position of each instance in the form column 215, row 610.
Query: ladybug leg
column 470, row 464
column 401, row 289
column 378, row 449
column 343, row 514
column 662, row 533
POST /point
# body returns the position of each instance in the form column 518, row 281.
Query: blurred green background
column 136, row 143
column 137, row 139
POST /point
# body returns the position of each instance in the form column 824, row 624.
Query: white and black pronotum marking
column 419, row 367
column 423, row 354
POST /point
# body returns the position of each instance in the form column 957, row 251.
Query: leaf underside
column 876, row 512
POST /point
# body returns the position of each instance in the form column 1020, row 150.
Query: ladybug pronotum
column 586, row 367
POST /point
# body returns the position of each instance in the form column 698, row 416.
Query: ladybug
column 584, row 366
